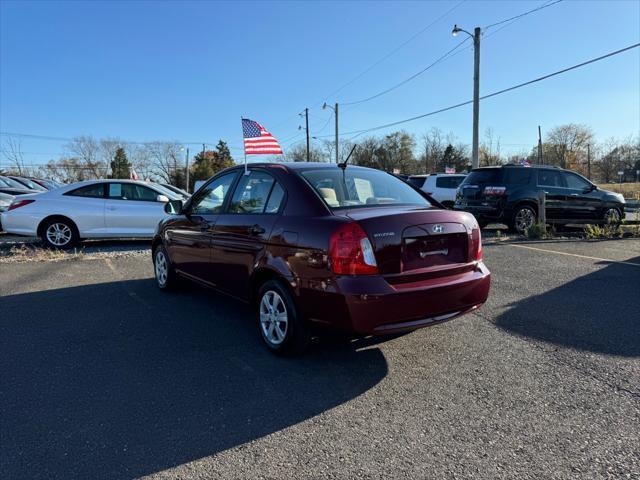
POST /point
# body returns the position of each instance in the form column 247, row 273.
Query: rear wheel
column 281, row 327
column 59, row 233
column 523, row 218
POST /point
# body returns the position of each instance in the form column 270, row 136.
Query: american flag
column 257, row 141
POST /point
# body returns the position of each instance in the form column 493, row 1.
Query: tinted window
column 417, row 181
column 550, row 178
column 210, row 197
column 275, row 199
column 517, row 176
column 131, row 191
column 448, row 182
column 96, row 191
column 354, row 187
column 576, row 181
column 484, row 175
column 252, row 193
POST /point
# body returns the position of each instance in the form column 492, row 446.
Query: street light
column 186, row 170
column 476, row 89
column 335, row 110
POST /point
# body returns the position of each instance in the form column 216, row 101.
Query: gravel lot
column 103, row 376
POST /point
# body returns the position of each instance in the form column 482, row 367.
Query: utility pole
column 337, row 138
column 589, row 161
column 306, row 120
column 475, row 161
column 186, row 173
column 540, row 159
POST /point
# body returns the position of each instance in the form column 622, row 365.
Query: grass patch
column 537, row 231
column 32, row 253
column 628, row 190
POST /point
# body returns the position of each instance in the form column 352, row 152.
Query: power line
column 522, row 14
column 378, row 62
column 417, row 74
column 499, row 92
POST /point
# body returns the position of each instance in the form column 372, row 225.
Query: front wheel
column 281, row 327
column 166, row 277
column 612, row 216
column 523, row 218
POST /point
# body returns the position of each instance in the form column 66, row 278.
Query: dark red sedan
column 317, row 247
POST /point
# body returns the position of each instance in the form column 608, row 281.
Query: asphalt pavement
column 104, row 376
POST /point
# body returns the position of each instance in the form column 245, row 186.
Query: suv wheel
column 523, row 218
column 612, row 216
column 281, row 327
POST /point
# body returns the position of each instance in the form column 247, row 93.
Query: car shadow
column 598, row 312
column 119, row 380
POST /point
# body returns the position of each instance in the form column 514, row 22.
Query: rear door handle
column 574, row 194
column 256, row 230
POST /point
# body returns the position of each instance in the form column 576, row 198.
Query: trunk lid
column 410, row 240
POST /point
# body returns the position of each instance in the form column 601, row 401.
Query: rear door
column 241, row 233
column 188, row 240
column 553, row 185
column 132, row 210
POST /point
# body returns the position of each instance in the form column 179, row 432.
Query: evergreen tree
column 120, row 166
column 224, row 155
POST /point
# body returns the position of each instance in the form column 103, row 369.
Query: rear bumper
column 19, row 224
column 483, row 212
column 372, row 306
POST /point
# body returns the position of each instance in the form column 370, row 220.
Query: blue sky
column 188, row 71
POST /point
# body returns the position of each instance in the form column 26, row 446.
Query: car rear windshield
column 359, row 187
column 484, row 175
column 449, row 182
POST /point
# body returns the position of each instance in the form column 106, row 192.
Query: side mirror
column 590, row 188
column 162, row 198
column 173, row 207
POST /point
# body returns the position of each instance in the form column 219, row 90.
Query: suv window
column 448, row 182
column 517, row 176
column 417, row 182
column 550, row 178
column 131, row 191
column 575, row 181
column 252, row 193
column 210, row 197
column 94, row 191
column 484, row 175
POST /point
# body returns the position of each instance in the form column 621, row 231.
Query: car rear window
column 359, row 187
column 417, row 182
column 484, row 175
column 517, row 176
column 449, row 182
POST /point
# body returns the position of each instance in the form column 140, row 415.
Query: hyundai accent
column 319, row 247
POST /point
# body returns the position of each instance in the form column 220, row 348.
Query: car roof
column 550, row 167
column 299, row 165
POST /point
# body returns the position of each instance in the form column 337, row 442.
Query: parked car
column 92, row 209
column 441, row 186
column 5, row 201
column 176, row 190
column 28, row 183
column 46, row 183
column 314, row 246
column 509, row 194
column 11, row 187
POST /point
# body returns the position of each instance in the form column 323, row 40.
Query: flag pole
column 246, row 171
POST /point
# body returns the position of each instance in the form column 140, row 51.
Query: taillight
column 351, row 252
column 20, row 203
column 495, row 191
column 475, row 247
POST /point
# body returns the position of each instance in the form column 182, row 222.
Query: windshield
column 31, row 184
column 359, row 187
column 10, row 182
column 483, row 175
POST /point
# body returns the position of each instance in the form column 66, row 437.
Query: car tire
column 166, row 276
column 612, row 217
column 281, row 326
column 524, row 217
column 59, row 234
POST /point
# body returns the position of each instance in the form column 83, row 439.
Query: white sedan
column 92, row 209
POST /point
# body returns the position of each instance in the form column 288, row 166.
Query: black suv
column 509, row 194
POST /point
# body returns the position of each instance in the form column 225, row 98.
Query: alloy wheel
column 612, row 216
column 273, row 317
column 59, row 234
column 525, row 218
column 162, row 268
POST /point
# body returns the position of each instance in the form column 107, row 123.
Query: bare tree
column 86, row 150
column 433, row 146
column 13, row 153
column 567, row 145
column 490, row 150
column 165, row 157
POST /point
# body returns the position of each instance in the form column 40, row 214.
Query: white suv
column 441, row 186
